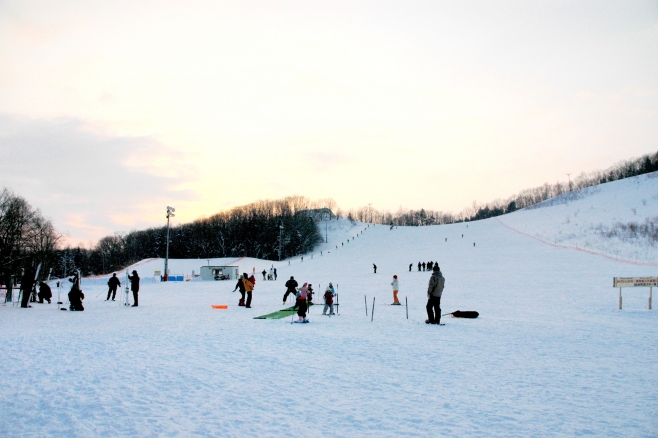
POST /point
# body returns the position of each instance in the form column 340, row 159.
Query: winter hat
column 134, row 272
column 292, row 278
column 436, row 268
column 395, row 276
column 330, row 284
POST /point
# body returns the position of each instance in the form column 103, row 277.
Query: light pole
column 370, row 211
column 569, row 175
column 170, row 213
column 326, row 239
column 280, row 239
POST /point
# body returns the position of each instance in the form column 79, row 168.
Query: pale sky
column 110, row 111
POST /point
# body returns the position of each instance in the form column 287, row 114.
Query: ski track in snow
column 550, row 354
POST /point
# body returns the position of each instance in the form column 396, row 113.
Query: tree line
column 526, row 198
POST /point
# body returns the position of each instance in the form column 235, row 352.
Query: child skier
column 301, row 303
column 396, row 287
column 329, row 294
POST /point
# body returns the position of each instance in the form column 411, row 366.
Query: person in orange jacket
column 249, row 287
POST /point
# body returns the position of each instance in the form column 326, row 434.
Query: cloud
column 87, row 181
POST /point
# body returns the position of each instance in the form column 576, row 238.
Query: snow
column 550, row 354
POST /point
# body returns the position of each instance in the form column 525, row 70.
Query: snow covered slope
column 598, row 218
column 550, row 355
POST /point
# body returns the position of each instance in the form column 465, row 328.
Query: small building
column 220, row 273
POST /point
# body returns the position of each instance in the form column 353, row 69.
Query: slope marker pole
column 365, row 300
column 406, row 304
column 372, row 315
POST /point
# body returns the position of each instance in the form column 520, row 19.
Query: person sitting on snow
column 44, row 292
column 76, row 296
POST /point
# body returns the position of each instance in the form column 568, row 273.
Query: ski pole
column 372, row 315
column 365, row 300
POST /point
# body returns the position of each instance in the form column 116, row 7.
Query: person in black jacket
column 75, row 295
column 44, row 292
column 291, row 288
column 27, row 283
column 134, row 286
column 240, row 285
column 113, row 283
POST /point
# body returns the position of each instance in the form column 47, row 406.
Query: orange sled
column 219, row 306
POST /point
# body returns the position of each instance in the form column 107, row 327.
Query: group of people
column 434, row 293
column 246, row 286
column 269, row 276
column 304, row 298
column 424, row 266
column 114, row 283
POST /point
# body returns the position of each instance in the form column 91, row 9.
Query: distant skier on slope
column 374, row 266
column 410, row 265
column 396, row 287
column 418, row 266
column 434, row 292
column 291, row 286
column 264, row 274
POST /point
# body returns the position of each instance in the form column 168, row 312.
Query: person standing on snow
column 274, row 274
column 410, row 265
column 301, row 303
column 264, row 274
column 329, row 295
column 434, row 292
column 134, row 286
column 396, row 287
column 418, row 266
column 240, row 285
column 27, row 283
column 374, row 266
column 249, row 284
column 291, row 286
column 113, row 283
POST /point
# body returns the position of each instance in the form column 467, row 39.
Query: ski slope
column 550, row 354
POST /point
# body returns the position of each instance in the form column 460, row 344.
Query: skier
column 44, row 292
column 434, row 292
column 240, row 285
column 291, row 288
column 418, row 266
column 374, row 266
column 423, row 266
column 396, row 287
column 429, row 266
column 249, row 284
column 329, row 295
column 27, row 283
column 75, row 295
column 410, row 265
column 274, row 274
column 301, row 303
column 264, row 274
column 134, row 286
column 310, row 294
column 113, row 283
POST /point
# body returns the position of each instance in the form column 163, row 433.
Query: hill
column 550, row 355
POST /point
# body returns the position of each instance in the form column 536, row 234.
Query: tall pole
column 569, row 175
column 280, row 239
column 326, row 239
column 170, row 213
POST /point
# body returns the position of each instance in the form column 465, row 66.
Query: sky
column 111, row 111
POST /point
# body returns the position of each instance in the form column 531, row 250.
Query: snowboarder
column 76, row 296
column 374, row 266
column 249, row 284
column 301, row 303
column 291, row 286
column 113, row 283
column 44, row 292
column 27, row 283
column 396, row 287
column 434, row 292
column 134, row 286
column 329, row 295
column 264, row 274
column 240, row 285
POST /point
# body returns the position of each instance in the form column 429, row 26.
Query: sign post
column 622, row 282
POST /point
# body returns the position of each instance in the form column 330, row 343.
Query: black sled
column 470, row 314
